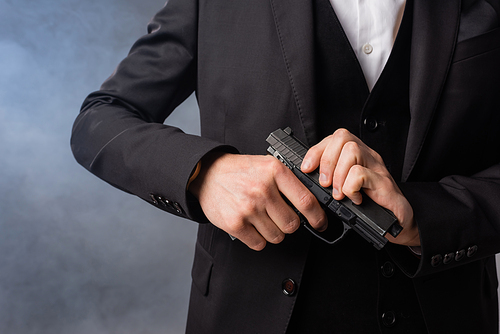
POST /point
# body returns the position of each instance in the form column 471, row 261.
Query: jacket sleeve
column 119, row 134
column 458, row 220
column 456, row 204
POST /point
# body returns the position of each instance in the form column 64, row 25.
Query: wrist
column 200, row 172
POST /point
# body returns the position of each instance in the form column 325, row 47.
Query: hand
column 241, row 194
column 349, row 165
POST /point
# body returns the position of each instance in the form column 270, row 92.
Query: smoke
column 78, row 256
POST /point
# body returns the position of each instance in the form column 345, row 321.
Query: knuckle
column 353, row 193
column 247, row 209
column 357, row 171
column 237, row 228
column 291, row 226
column 349, row 191
column 352, row 147
column 326, row 162
column 275, row 165
column 341, row 134
column 257, row 191
column 307, row 201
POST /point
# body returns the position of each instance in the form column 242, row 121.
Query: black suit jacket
column 251, row 66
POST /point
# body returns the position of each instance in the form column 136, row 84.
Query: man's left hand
column 349, row 165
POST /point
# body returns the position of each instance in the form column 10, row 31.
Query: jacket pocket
column 477, row 45
column 202, row 269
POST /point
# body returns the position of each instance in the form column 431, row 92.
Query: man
column 419, row 137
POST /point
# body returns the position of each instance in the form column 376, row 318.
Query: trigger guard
column 347, row 228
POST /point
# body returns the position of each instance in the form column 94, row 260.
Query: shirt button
column 367, row 48
column 288, row 287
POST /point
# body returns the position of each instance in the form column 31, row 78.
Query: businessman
column 397, row 98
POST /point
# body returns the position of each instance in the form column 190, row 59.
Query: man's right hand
column 241, row 194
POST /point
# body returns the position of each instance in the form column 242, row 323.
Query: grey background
column 76, row 255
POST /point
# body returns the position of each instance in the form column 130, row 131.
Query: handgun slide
column 368, row 219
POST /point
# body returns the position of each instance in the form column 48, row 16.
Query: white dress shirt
column 371, row 27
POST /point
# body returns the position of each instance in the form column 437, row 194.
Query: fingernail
column 322, row 178
column 335, row 192
column 306, row 164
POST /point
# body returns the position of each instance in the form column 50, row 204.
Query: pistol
column 368, row 219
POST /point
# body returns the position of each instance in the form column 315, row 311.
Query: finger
column 331, row 155
column 301, row 198
column 375, row 185
column 268, row 229
column 283, row 216
column 258, row 227
column 275, row 219
column 384, row 191
column 248, row 234
column 321, row 155
column 252, row 225
column 350, row 156
column 354, row 182
column 313, row 156
column 326, row 154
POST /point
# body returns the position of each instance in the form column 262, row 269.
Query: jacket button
column 157, row 200
column 165, row 202
column 177, row 207
column 289, row 287
column 154, row 199
column 370, row 123
column 388, row 319
column 436, row 260
column 448, row 258
column 459, row 255
column 387, row 270
column 471, row 251
column 161, row 200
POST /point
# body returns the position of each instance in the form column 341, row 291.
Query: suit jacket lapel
column 434, row 35
column 294, row 25
column 435, row 29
